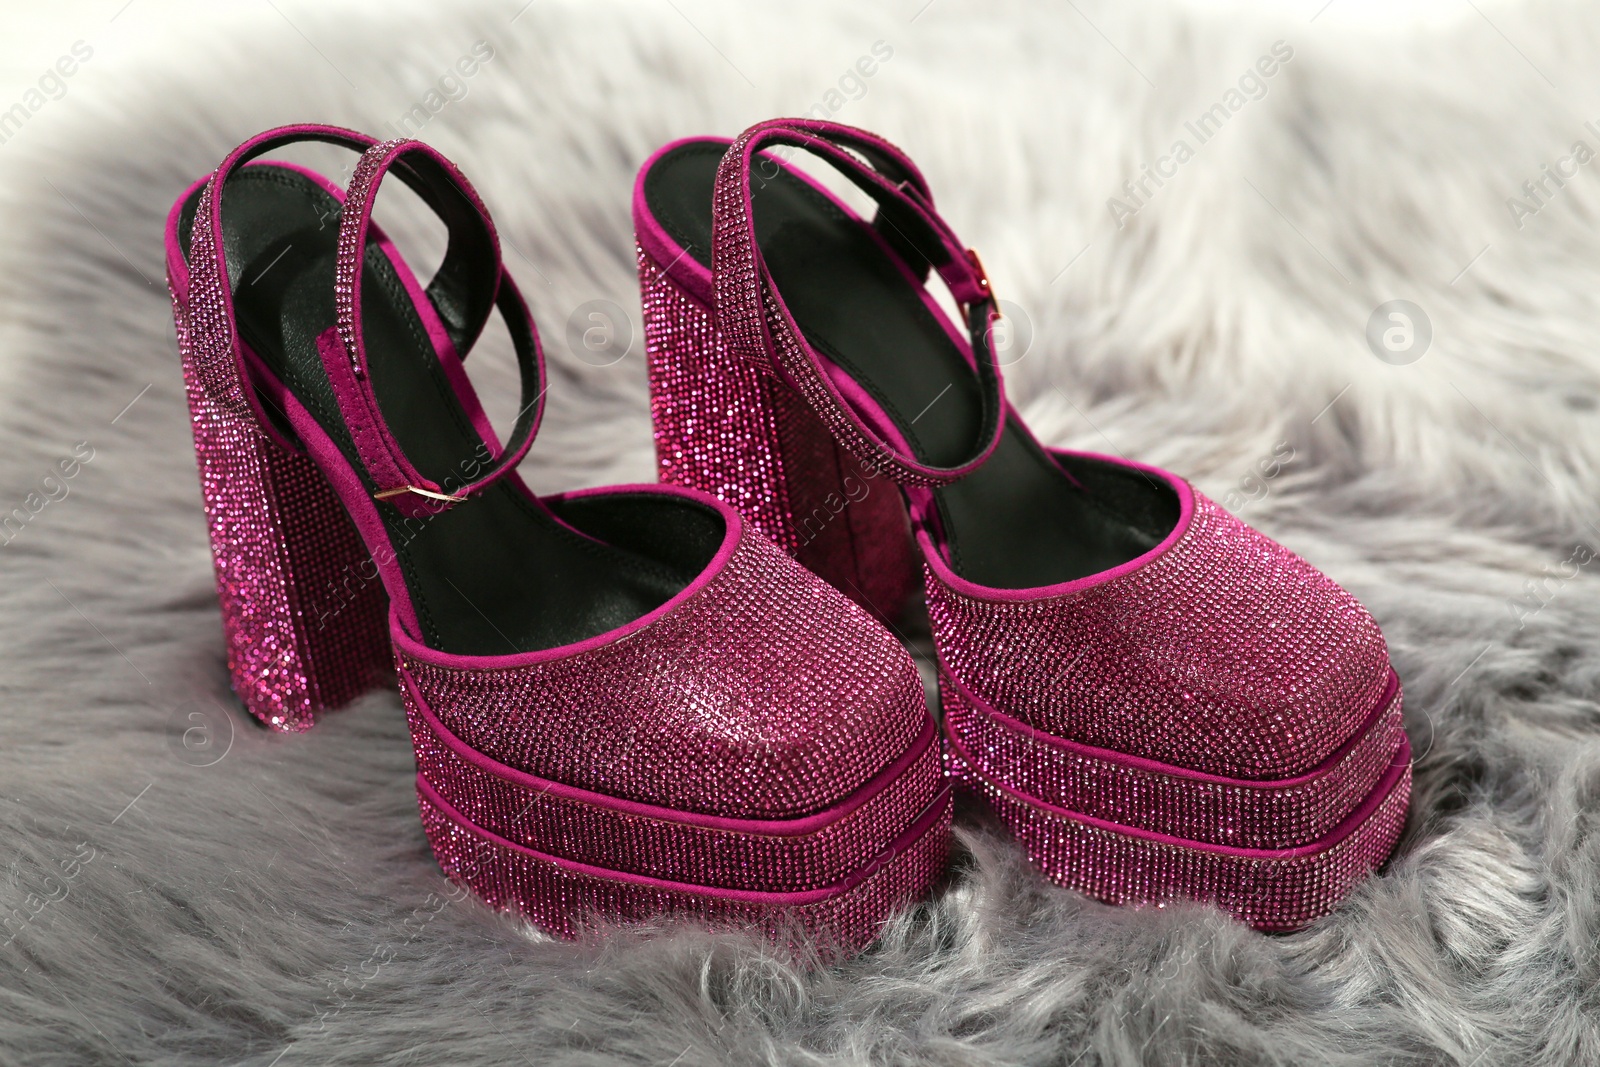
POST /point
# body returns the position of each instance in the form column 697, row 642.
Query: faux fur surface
column 184, row 887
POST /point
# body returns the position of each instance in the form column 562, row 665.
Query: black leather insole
column 495, row 574
column 1017, row 522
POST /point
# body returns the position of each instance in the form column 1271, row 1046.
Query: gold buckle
column 983, row 278
column 426, row 494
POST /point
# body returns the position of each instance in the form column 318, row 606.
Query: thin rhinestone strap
column 473, row 243
column 751, row 312
column 213, row 329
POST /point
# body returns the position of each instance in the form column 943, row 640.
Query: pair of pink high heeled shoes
column 677, row 697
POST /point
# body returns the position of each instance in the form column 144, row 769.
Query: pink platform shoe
column 624, row 702
column 1159, row 701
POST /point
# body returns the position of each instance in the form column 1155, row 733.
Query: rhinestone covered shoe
column 1159, row 701
column 625, row 703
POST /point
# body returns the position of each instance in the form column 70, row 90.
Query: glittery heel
column 302, row 607
column 730, row 428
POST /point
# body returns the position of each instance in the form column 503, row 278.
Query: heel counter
column 731, row 428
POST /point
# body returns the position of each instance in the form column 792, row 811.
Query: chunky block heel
column 303, row 609
column 728, row 427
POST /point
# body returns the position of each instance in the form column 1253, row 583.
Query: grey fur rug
column 182, row 887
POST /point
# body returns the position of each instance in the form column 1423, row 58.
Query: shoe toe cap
column 764, row 693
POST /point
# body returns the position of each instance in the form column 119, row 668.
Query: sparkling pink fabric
column 726, row 426
column 301, row 637
column 759, row 754
column 765, row 694
column 767, row 855
column 756, row 323
column 1270, row 889
column 1226, row 653
column 563, row 897
column 1217, row 720
column 754, row 752
column 1171, row 800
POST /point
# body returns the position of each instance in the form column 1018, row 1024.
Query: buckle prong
column 427, row 494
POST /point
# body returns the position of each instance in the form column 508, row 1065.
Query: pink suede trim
column 1106, row 755
column 177, row 261
column 380, row 453
column 662, row 247
column 800, row 827
column 936, row 563
column 925, row 822
column 1351, row 823
column 852, row 393
column 734, row 524
column 449, row 359
column 354, row 226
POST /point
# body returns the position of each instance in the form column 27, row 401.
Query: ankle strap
column 753, row 315
column 475, row 248
column 460, row 295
